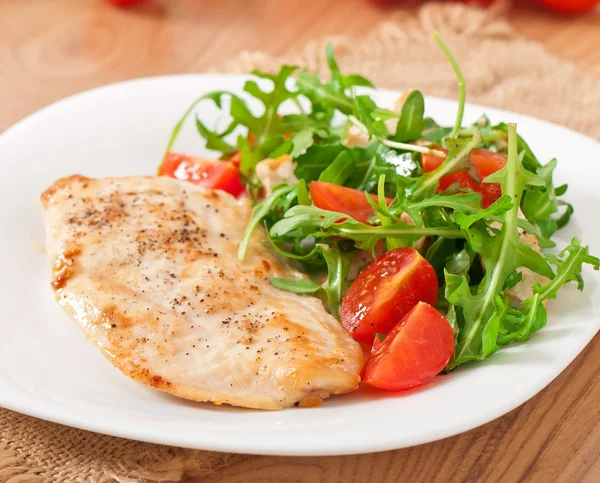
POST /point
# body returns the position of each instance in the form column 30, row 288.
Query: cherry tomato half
column 385, row 291
column 570, row 6
column 414, row 351
column 486, row 162
column 333, row 197
column 218, row 175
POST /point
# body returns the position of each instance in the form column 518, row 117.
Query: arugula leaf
column 460, row 262
column 338, row 266
column 433, row 132
column 259, row 211
column 337, row 79
column 269, row 123
column 561, row 190
column 411, row 123
column 502, row 253
column 513, row 279
column 364, row 108
column 540, row 203
column 532, row 316
column 315, row 160
column 499, row 207
column 326, row 97
column 340, row 169
column 461, row 203
column 303, row 193
column 353, row 163
column 323, row 97
column 215, row 140
column 215, row 96
column 355, row 80
column 242, row 114
column 519, row 324
column 252, row 154
column 302, row 285
column 301, row 141
column 379, row 159
column 569, row 265
column 303, row 250
column 269, row 128
column 312, row 221
column 439, row 252
column 566, row 216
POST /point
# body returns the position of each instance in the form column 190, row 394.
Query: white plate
column 49, row 370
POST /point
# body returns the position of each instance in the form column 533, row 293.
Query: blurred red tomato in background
column 563, row 6
column 124, row 2
column 570, row 6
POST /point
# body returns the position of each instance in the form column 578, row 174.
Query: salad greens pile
column 478, row 253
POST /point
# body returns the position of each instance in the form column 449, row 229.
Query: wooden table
column 50, row 49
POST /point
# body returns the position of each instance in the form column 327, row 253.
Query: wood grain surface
column 50, row 49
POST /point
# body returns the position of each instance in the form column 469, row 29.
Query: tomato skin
column 487, row 162
column 219, row 175
column 351, row 202
column 415, row 350
column 236, row 159
column 385, row 291
column 570, row 6
column 429, row 162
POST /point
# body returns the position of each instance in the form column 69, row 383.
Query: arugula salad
column 422, row 239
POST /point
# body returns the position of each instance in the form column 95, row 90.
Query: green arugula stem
column 390, row 243
column 419, row 205
column 386, row 113
column 509, row 226
column 397, row 145
column 298, row 104
column 462, row 91
column 411, row 147
column 446, row 167
column 487, row 138
column 177, row 128
column 397, row 231
column 526, row 330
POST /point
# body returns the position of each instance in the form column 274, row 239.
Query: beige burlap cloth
column 502, row 69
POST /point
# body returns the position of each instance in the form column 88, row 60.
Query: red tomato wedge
column 385, row 291
column 487, row 162
column 218, row 175
column 414, row 351
column 351, row 202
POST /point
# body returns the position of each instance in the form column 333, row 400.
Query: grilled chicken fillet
column 147, row 267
